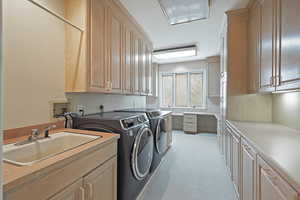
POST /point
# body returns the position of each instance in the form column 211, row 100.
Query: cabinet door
column 228, row 147
column 102, row 182
column 142, row 67
column 254, row 47
column 236, row 162
column 271, row 186
column 98, row 74
column 127, row 87
column 73, row 192
column 267, row 68
column 135, row 66
column 289, row 68
column 148, row 73
column 115, row 50
column 248, row 172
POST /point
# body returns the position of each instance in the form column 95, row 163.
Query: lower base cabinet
column 73, row 192
column 101, row 183
column 248, row 172
column 271, row 186
column 252, row 177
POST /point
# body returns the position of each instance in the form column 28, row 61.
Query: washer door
column 161, row 136
column 142, row 154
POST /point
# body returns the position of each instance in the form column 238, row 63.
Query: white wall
column 286, row 109
column 213, row 104
column 34, row 61
column 92, row 102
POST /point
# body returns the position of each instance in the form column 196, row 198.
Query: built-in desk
column 206, row 122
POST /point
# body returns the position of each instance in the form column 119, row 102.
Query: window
column 183, row 89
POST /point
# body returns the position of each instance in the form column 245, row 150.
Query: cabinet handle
column 271, row 176
column 81, row 193
column 89, row 191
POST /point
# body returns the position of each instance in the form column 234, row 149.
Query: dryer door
column 161, row 136
column 142, row 154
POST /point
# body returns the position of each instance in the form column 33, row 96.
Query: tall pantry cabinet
column 111, row 55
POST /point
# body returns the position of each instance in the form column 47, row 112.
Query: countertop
column 216, row 115
column 278, row 145
column 14, row 174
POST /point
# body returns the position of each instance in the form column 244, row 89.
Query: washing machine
column 158, row 126
column 135, row 147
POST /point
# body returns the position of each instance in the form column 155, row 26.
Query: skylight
column 183, row 11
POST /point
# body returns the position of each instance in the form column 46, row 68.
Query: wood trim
column 24, row 131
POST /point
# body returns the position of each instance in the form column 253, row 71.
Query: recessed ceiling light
column 178, row 52
column 183, row 11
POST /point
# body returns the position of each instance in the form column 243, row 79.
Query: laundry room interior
column 150, row 99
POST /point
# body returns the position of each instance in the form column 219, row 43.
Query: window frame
column 173, row 74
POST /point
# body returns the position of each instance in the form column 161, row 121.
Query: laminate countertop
column 15, row 175
column 278, row 145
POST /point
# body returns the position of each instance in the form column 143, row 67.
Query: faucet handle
column 35, row 132
column 48, row 129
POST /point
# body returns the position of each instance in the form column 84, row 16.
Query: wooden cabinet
column 267, row 67
column 135, row 66
column 154, row 80
column 288, row 71
column 235, row 159
column 104, row 57
column 102, row 182
column 248, row 172
column 128, row 61
column 148, row 69
column 115, row 28
column 228, row 149
column 252, row 177
column 271, row 186
column 98, row 79
column 72, row 192
column 254, row 29
column 273, row 47
column 142, row 67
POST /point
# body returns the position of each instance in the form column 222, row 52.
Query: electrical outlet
column 80, row 109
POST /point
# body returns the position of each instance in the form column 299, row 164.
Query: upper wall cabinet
column 274, row 32
column 267, row 67
column 254, row 29
column 288, row 76
column 110, row 55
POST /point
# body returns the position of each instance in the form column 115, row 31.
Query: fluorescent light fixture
column 179, row 52
column 184, row 11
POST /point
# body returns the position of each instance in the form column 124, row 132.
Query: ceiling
column 204, row 33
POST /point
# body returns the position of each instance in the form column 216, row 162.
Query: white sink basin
column 30, row 153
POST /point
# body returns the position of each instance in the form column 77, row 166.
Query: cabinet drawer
column 278, row 183
column 194, row 117
column 190, row 120
column 189, row 129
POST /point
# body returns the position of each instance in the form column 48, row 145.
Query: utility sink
column 33, row 152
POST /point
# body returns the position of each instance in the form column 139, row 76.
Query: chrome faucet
column 34, row 135
column 46, row 130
